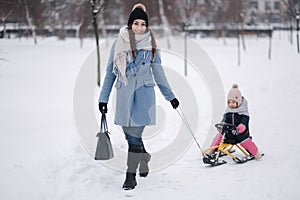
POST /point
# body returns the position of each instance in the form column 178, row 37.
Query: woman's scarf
column 125, row 49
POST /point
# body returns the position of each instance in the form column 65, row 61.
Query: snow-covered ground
column 42, row 157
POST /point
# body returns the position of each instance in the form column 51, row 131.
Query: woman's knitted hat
column 235, row 94
column 138, row 12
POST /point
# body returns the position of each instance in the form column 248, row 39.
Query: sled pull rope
column 186, row 123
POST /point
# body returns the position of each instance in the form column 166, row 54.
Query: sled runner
column 226, row 147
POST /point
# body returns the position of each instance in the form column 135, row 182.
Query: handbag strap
column 104, row 127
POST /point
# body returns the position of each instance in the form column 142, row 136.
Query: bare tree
column 164, row 19
column 165, row 23
column 30, row 21
column 189, row 10
column 83, row 18
column 293, row 6
column 220, row 18
column 231, row 13
column 293, row 9
column 207, row 10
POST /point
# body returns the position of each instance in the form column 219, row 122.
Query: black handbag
column 104, row 150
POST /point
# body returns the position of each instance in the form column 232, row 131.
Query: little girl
column 237, row 114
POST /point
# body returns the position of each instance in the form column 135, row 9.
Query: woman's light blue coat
column 135, row 102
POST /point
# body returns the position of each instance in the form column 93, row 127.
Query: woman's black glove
column 174, row 103
column 103, row 107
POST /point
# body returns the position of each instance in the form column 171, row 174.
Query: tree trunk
column 29, row 21
column 4, row 28
column 165, row 22
column 4, row 22
column 223, row 33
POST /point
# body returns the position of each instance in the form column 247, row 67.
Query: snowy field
column 42, row 157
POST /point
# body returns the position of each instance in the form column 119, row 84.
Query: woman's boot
column 145, row 158
column 133, row 159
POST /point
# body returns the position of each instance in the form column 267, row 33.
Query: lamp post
column 297, row 19
column 95, row 10
column 184, row 24
column 239, row 28
column 242, row 18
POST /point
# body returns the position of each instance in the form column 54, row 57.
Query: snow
column 42, row 156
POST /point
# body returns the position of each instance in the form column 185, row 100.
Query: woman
column 134, row 62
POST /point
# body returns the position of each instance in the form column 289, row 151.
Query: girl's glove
column 240, row 128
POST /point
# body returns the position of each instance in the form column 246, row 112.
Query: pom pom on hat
column 235, row 85
column 139, row 5
column 138, row 12
column 235, row 94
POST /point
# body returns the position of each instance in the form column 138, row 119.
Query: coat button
column 143, row 63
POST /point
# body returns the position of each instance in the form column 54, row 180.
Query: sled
column 225, row 148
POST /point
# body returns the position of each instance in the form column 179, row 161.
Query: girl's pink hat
column 235, row 94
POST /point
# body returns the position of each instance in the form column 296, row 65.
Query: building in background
column 265, row 11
